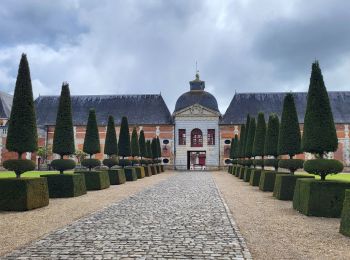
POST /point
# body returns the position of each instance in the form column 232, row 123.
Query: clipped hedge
column 247, row 173
column 20, row 194
column 96, row 180
column 255, row 177
column 291, row 164
column 319, row 198
column 130, row 173
column 90, row 163
column 19, row 166
column 323, row 167
column 116, row 176
column 162, row 168
column 140, row 172
column 258, row 162
column 241, row 173
column 124, row 162
column 110, row 162
column 62, row 165
column 148, row 171
column 271, row 163
column 158, row 169
column 238, row 171
column 345, row 216
column 229, row 169
column 153, row 169
column 285, row 184
column 267, row 180
column 65, row 185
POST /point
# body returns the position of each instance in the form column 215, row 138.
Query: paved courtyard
column 182, row 217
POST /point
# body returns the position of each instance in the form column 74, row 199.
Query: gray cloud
column 103, row 47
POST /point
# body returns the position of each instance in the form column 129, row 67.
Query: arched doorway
column 196, row 158
column 196, row 138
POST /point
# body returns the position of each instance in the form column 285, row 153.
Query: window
column 182, row 136
column 196, row 138
column 211, row 136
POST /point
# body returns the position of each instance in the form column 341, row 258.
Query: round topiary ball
column 19, row 166
column 63, row 164
column 110, row 162
column 323, row 167
column 90, row 163
column 291, row 164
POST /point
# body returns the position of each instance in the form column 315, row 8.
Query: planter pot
column 23, row 193
column 319, row 198
column 153, row 169
column 345, row 216
column 247, row 173
column 148, row 171
column 116, row 176
column 285, row 184
column 241, row 173
column 140, row 172
column 96, row 180
column 267, row 180
column 65, row 185
column 255, row 177
column 130, row 174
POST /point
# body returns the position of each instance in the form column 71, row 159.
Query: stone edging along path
column 182, row 217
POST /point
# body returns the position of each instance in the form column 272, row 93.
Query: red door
column 201, row 159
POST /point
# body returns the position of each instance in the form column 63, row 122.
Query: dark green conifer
column 142, row 145
column 250, row 138
column 124, row 138
column 259, row 137
column 233, row 150
column 271, row 141
column 135, row 149
column 247, row 126
column 92, row 139
column 63, row 138
column 154, row 148
column 319, row 135
column 241, row 142
column 149, row 149
column 22, row 132
column 289, row 133
column 159, row 148
column 111, row 143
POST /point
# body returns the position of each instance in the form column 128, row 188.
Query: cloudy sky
column 141, row 46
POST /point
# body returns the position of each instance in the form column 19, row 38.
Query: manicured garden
column 264, row 148
column 24, row 189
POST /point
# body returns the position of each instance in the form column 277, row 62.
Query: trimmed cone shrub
column 124, row 149
column 250, row 138
column 322, row 167
column 92, row 139
column 62, row 165
column 319, row 198
column 116, row 176
column 142, row 145
column 96, row 180
column 90, row 163
column 247, row 174
column 267, row 180
column 110, row 162
column 135, row 149
column 291, row 164
column 255, row 177
column 247, row 126
column 140, row 172
column 259, row 137
column 20, row 194
column 130, row 173
column 65, row 185
column 285, row 184
column 345, row 216
column 272, row 132
column 111, row 143
column 19, row 166
column 234, row 145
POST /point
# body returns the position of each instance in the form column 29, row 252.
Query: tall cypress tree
column 154, row 148
column 111, row 143
column 22, row 133
column 289, row 133
column 135, row 150
column 271, row 141
column 63, row 138
column 124, row 138
column 241, row 142
column 149, row 149
column 92, row 139
column 319, row 135
column 142, row 145
column 259, row 137
column 233, row 149
column 247, row 126
column 159, row 148
column 250, row 138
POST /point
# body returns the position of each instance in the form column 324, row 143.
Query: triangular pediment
column 196, row 110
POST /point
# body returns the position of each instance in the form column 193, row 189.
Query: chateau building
column 195, row 136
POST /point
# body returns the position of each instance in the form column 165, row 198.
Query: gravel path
column 182, row 217
column 273, row 230
column 20, row 228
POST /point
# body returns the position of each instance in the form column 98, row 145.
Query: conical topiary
column 111, row 143
column 247, row 126
column 22, row 133
column 271, row 141
column 149, row 149
column 124, row 139
column 289, row 133
column 319, row 135
column 233, row 151
column 142, row 145
column 135, row 150
column 159, row 148
column 259, row 137
column 241, row 142
column 250, row 138
column 92, row 139
column 154, row 148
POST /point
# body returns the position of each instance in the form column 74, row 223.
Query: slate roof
column 196, row 97
column 252, row 103
column 140, row 109
column 5, row 104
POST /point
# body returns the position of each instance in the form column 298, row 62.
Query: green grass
column 8, row 174
column 336, row 177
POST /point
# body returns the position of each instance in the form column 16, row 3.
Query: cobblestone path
column 183, row 217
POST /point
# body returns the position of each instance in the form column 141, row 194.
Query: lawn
column 8, row 174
